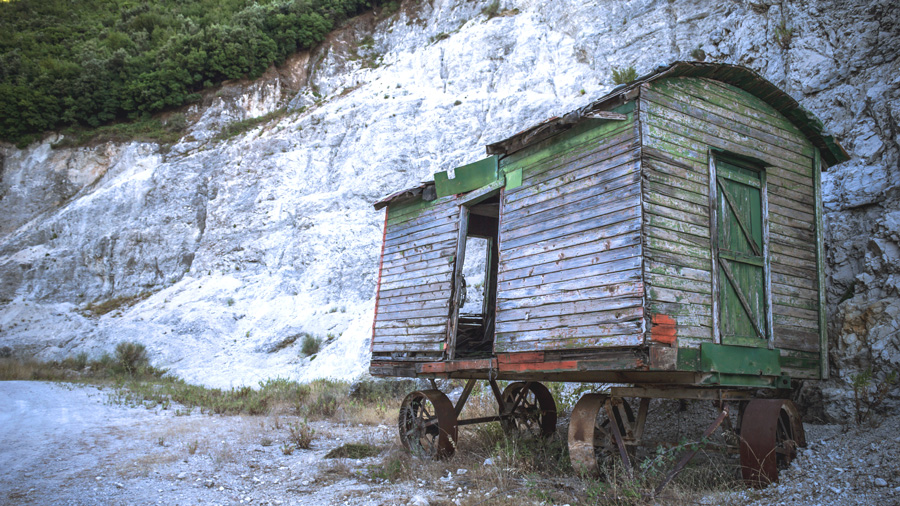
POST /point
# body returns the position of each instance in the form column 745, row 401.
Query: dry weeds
column 359, row 425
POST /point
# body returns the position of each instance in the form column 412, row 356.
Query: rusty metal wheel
column 771, row 432
column 534, row 414
column 427, row 424
column 592, row 447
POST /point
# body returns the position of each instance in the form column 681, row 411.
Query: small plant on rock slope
column 623, row 75
column 310, row 345
column 301, row 435
column 492, row 9
column 784, row 35
column 867, row 400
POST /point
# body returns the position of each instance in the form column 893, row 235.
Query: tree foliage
column 90, row 62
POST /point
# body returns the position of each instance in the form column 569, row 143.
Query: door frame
column 465, row 202
column 714, row 155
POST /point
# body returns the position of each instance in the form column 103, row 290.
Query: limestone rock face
column 214, row 251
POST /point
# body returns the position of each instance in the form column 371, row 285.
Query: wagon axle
column 603, row 428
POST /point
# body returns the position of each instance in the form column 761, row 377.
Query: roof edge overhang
column 735, row 75
column 424, row 190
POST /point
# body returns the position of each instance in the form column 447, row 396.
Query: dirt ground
column 62, row 444
column 66, row 444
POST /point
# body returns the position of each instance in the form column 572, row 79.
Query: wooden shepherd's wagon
column 667, row 236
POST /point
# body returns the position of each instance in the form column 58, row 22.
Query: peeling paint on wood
column 623, row 247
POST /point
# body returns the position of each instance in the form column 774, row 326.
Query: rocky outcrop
column 214, row 250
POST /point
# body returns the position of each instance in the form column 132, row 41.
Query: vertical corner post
column 380, row 268
column 767, row 269
column 820, row 267
column 642, row 130
column 714, row 246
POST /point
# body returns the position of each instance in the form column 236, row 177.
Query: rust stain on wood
column 520, row 358
column 564, row 365
column 457, row 365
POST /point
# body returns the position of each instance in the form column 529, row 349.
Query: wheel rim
column 789, row 435
column 534, row 416
column 427, row 424
column 771, row 432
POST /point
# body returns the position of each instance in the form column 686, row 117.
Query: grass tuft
column 301, row 435
column 353, row 451
column 109, row 305
column 310, row 345
column 784, row 35
column 132, row 356
column 155, row 130
column 239, row 127
column 492, row 9
column 623, row 75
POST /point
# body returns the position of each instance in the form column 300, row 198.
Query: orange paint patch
column 663, row 329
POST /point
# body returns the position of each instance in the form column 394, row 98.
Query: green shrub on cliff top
column 93, row 62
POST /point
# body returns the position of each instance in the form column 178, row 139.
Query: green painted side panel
column 514, row 179
column 739, row 360
column 688, row 359
column 733, row 366
column 740, row 246
column 738, row 380
column 749, row 104
column 800, row 362
column 584, row 131
column 404, row 210
column 467, row 177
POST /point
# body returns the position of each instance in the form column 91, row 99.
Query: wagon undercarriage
column 606, row 427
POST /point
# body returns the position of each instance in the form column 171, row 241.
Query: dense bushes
column 90, row 62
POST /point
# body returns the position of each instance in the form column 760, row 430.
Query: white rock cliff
column 241, row 245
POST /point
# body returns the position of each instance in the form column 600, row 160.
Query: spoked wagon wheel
column 592, row 446
column 428, row 424
column 535, row 413
column 771, row 432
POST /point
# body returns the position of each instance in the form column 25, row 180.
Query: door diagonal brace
column 744, row 228
column 737, row 289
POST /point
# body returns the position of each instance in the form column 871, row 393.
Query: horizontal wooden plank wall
column 417, row 266
column 570, row 249
column 681, row 118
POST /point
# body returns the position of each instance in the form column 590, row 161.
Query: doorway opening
column 476, row 280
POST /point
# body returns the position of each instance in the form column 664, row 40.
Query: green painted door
column 741, row 259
